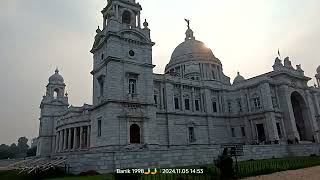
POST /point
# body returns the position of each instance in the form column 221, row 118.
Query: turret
column 53, row 103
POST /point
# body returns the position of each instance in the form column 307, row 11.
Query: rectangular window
column 274, row 102
column 132, row 86
column 101, row 85
column 192, row 137
column 214, row 106
column 197, row 105
column 99, row 127
column 155, row 97
column 243, row 132
column 279, row 130
column 233, row 133
column 176, row 103
column 239, row 105
column 187, row 104
column 256, row 103
column 164, row 99
column 229, row 107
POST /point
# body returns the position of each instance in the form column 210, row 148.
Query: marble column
column 248, row 130
column 312, row 114
column 192, row 100
column 81, row 137
column 317, row 106
column 65, row 139
column 74, row 138
column 61, row 141
column 57, row 142
column 248, row 101
column 254, row 133
column 210, row 125
column 88, row 136
column 270, row 115
column 69, row 139
column 139, row 20
column 161, row 97
column 117, row 12
column 181, row 98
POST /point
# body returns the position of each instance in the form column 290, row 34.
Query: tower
column 53, row 103
column 123, row 104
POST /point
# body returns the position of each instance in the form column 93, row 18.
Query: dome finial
column 189, row 32
column 57, row 70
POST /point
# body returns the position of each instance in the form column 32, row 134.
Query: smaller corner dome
column 318, row 70
column 56, row 78
column 238, row 78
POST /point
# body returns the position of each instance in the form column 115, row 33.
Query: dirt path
column 312, row 173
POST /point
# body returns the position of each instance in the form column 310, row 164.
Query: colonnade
column 72, row 139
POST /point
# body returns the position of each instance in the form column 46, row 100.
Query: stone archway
column 135, row 134
column 301, row 114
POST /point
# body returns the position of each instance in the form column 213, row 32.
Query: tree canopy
column 17, row 151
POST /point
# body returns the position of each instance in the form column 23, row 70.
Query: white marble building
column 192, row 105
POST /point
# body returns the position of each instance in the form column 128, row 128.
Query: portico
column 73, row 138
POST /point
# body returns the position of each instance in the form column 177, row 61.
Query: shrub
column 225, row 164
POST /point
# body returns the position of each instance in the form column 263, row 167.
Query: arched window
column 134, row 134
column 132, row 86
column 101, row 85
column 126, row 17
column 55, row 93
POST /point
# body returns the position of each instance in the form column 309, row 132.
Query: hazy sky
column 36, row 36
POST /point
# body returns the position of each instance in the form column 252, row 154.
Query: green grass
column 246, row 169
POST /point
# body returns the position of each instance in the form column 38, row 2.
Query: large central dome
column 193, row 60
column 191, row 50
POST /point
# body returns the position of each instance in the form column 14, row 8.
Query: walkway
column 312, row 173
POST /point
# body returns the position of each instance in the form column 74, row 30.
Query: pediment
column 134, row 35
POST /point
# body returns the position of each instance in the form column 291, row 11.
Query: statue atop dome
column 189, row 32
column 188, row 22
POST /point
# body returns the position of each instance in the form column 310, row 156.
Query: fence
column 245, row 169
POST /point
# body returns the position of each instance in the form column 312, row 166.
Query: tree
column 13, row 150
column 17, row 151
column 22, row 147
column 32, row 151
column 4, row 151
